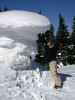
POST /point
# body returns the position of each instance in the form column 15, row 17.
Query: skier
column 50, row 55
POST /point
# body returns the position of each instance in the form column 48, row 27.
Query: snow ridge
column 16, row 18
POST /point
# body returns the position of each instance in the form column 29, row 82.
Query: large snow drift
column 23, row 25
column 18, row 32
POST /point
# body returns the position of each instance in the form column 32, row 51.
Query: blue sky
column 49, row 8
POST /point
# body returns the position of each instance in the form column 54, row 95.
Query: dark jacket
column 50, row 54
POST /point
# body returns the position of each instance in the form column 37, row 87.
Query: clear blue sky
column 49, row 8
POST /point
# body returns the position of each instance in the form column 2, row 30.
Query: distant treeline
column 64, row 41
column 5, row 8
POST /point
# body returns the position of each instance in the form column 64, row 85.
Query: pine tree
column 5, row 8
column 71, row 50
column 62, row 39
column 40, row 12
column 49, row 35
column 40, row 48
column 62, row 33
column 73, row 31
column 52, row 33
column 43, row 38
column 0, row 10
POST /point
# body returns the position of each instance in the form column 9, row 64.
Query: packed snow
column 18, row 83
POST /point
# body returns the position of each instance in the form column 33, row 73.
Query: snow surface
column 18, row 83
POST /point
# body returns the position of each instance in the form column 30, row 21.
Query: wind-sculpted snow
column 23, row 26
column 16, row 18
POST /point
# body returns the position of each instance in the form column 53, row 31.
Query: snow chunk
column 4, row 41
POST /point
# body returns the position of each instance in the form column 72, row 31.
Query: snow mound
column 13, row 56
column 23, row 26
column 22, row 18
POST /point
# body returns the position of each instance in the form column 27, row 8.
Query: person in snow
column 51, row 52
